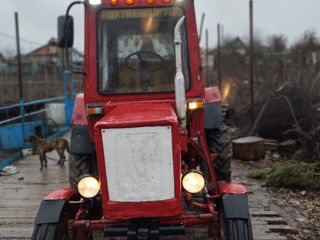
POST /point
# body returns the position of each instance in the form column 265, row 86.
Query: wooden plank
column 264, row 213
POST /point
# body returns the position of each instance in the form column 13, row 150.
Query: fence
column 46, row 118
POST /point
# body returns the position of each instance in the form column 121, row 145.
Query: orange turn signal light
column 195, row 105
column 130, row 2
column 94, row 110
column 166, row 1
column 150, row 1
column 114, row 2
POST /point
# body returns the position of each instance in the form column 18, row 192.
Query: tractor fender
column 52, row 205
column 235, row 201
column 80, row 136
column 212, row 111
column 79, row 116
column 80, row 140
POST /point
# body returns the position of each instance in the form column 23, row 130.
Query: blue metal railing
column 20, row 130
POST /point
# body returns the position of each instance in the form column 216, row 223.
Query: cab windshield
column 137, row 51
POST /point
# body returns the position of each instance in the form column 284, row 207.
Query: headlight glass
column 193, row 182
column 88, row 187
column 94, row 2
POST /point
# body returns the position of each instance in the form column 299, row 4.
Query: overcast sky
column 38, row 19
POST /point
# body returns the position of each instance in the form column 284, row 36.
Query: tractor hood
column 139, row 161
column 140, row 115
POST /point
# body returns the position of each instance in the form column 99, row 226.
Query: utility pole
column 251, row 63
column 18, row 56
column 219, row 58
column 207, row 57
column 20, row 77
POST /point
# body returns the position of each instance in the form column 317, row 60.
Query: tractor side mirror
column 65, row 31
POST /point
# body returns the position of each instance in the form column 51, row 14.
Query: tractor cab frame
column 147, row 157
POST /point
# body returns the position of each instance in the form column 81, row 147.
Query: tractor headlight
column 94, row 2
column 88, row 187
column 193, row 182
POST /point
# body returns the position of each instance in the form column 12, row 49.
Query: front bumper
column 146, row 228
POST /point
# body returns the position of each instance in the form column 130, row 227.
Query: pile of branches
column 290, row 174
column 292, row 114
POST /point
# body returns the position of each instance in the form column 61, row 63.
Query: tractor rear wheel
column 79, row 165
column 219, row 145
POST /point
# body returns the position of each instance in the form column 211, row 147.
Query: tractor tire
column 50, row 231
column 79, row 165
column 54, row 231
column 239, row 229
column 218, row 145
column 236, row 229
column 57, row 231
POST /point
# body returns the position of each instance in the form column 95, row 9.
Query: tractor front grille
column 139, row 163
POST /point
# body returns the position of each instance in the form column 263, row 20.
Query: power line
column 21, row 39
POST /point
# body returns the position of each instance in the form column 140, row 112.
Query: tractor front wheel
column 52, row 231
column 235, row 228
column 238, row 229
column 79, row 165
column 55, row 231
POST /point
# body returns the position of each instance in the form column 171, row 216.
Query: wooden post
column 251, row 64
column 219, row 59
column 207, row 58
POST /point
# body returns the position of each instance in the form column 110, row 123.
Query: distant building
column 51, row 54
column 231, row 48
column 236, row 45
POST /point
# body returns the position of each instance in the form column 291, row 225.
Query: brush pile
column 290, row 174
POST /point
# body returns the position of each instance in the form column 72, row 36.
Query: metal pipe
column 201, row 26
column 179, row 78
column 32, row 103
column 26, row 115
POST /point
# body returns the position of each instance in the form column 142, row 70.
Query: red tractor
column 147, row 157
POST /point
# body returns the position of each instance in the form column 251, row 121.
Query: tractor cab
column 139, row 55
column 146, row 155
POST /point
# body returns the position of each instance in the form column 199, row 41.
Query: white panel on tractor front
column 139, row 163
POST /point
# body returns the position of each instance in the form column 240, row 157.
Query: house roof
column 50, row 48
column 235, row 43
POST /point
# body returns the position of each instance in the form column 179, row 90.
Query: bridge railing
column 46, row 118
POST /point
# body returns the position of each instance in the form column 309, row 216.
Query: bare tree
column 277, row 43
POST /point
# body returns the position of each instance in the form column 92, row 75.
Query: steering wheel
column 145, row 64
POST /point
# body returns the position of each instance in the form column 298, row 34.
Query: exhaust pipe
column 179, row 81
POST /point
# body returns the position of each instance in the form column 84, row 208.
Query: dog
column 47, row 145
